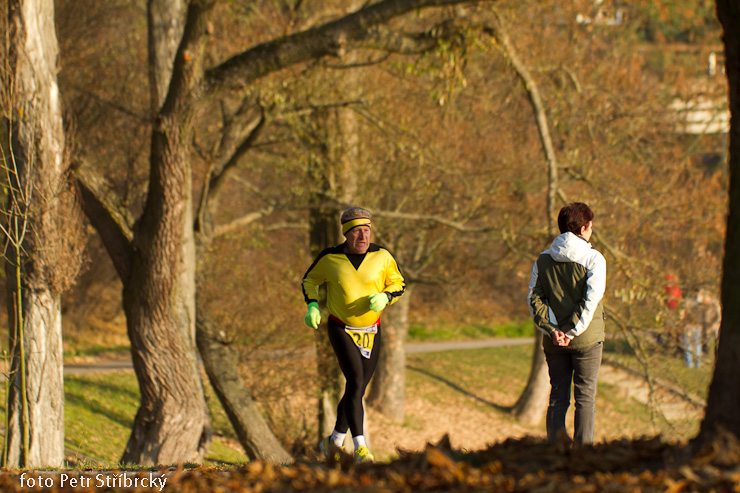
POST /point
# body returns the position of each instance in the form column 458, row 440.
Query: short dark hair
column 573, row 217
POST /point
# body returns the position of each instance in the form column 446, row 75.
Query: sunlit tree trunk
column 222, row 365
column 43, row 259
column 724, row 391
column 172, row 423
column 388, row 391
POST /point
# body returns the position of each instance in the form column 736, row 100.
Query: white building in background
column 704, row 113
column 601, row 16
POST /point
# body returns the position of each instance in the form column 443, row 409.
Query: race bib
column 363, row 337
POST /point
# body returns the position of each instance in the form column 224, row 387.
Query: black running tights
column 358, row 371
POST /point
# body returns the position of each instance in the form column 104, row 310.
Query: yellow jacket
column 351, row 279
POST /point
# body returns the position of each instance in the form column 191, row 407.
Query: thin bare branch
column 241, row 222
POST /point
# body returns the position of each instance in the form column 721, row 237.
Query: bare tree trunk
column 166, row 20
column 531, row 404
column 388, row 391
column 222, row 364
column 48, row 252
column 172, row 424
column 724, row 391
column 44, row 385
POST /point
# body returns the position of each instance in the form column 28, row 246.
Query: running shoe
column 330, row 449
column 362, row 454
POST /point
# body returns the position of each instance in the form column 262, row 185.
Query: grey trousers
column 581, row 367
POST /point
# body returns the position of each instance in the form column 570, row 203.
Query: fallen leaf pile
column 516, row 465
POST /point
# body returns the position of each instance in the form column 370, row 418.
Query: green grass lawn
column 99, row 412
column 422, row 333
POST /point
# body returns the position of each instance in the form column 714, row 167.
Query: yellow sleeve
column 312, row 279
column 395, row 284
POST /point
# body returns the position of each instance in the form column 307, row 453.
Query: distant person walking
column 361, row 278
column 691, row 340
column 565, row 299
column 701, row 325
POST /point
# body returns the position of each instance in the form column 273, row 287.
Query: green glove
column 313, row 316
column 378, row 301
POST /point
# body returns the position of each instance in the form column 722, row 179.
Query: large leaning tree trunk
column 724, row 391
column 221, row 361
column 43, row 232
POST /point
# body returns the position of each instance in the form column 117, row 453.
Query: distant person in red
column 673, row 296
column 672, row 292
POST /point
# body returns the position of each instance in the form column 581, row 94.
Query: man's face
column 358, row 239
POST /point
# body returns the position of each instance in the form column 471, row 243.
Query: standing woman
column 361, row 278
column 565, row 299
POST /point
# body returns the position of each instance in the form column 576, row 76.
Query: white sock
column 338, row 438
column 359, row 441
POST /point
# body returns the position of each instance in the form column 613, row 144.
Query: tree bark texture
column 724, row 391
column 49, row 261
column 388, row 390
column 221, row 362
column 172, row 423
column 166, row 20
column 44, row 384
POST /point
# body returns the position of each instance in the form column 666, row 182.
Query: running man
column 362, row 278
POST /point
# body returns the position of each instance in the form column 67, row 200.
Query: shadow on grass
column 457, row 388
column 85, row 393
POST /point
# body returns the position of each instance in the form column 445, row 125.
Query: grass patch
column 97, row 351
column 471, row 369
column 421, row 333
column 98, row 415
column 100, row 410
